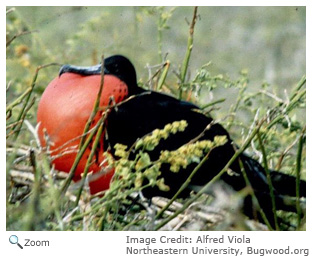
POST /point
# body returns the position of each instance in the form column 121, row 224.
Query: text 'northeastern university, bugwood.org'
column 204, row 245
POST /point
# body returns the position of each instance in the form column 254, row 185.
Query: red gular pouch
column 63, row 111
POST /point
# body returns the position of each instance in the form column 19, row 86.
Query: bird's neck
column 135, row 89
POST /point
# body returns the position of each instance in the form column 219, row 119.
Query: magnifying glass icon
column 15, row 240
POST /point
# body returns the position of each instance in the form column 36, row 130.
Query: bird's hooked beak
column 84, row 71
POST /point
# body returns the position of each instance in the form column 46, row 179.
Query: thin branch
column 85, row 141
column 269, row 181
column 186, row 60
column 19, row 35
column 10, row 10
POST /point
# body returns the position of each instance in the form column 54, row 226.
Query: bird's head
column 116, row 65
column 122, row 68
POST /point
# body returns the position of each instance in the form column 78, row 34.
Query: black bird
column 149, row 110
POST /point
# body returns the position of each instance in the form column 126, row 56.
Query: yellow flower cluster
column 190, row 153
column 134, row 172
column 120, row 151
column 150, row 141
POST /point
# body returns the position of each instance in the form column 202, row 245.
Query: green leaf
column 143, row 162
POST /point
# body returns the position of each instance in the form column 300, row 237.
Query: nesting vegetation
column 39, row 197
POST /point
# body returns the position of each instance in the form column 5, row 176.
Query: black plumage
column 146, row 111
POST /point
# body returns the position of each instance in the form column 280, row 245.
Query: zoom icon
column 15, row 240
